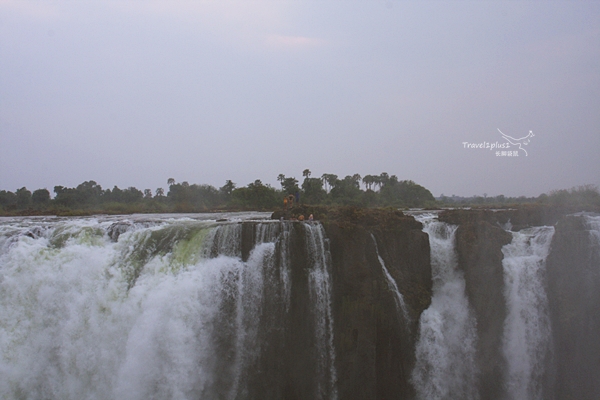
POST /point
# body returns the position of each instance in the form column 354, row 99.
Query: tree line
column 381, row 190
column 329, row 189
column 579, row 198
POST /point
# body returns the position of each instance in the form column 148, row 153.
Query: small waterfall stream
column 392, row 286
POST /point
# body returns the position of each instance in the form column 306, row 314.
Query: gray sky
column 133, row 93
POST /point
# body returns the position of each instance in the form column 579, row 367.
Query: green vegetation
column 382, row 190
column 580, row 198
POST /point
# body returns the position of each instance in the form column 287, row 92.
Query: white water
column 155, row 315
column 594, row 225
column 320, row 284
column 527, row 332
column 445, row 352
column 392, row 286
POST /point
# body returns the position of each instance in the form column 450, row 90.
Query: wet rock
column 35, row 232
column 573, row 270
column 116, row 229
column 374, row 345
column 479, row 248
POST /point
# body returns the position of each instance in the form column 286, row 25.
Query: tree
column 256, row 196
column 132, row 195
column 88, row 192
column 290, row 185
column 368, row 180
column 40, row 197
column 329, row 179
column 65, row 197
column 346, row 191
column 228, row 188
column 23, row 197
column 170, row 181
column 160, row 192
column 306, row 173
column 115, row 196
column 405, row 194
column 384, row 179
column 313, row 191
column 7, row 199
column 147, row 193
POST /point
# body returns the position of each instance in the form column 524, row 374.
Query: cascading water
column 320, row 284
column 392, row 286
column 445, row 351
column 162, row 308
column 594, row 225
column 527, row 325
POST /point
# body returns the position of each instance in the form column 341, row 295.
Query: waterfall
column 445, row 351
column 164, row 308
column 526, row 341
column 593, row 223
column 320, row 284
column 392, row 286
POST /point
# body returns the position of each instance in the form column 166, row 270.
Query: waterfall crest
column 165, row 308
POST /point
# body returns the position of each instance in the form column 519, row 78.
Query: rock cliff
column 573, row 269
column 375, row 345
column 479, row 247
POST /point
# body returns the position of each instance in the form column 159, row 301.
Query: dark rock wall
column 374, row 345
column 479, row 248
column 573, row 268
column 285, row 366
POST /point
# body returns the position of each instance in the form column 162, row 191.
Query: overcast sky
column 134, row 93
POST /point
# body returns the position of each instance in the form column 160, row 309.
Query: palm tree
column 377, row 181
column 324, row 180
column 306, row 173
column 368, row 180
column 331, row 179
column 170, row 181
column 383, row 179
